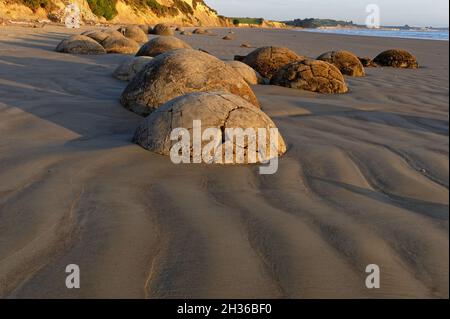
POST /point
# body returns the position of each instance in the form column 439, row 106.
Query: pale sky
column 393, row 12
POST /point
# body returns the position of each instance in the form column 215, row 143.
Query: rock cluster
column 80, row 44
column 98, row 42
column 180, row 72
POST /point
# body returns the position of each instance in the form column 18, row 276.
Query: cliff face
column 181, row 12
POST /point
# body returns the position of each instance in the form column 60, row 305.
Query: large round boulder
column 120, row 44
column 311, row 75
column 135, row 33
column 98, row 36
column 397, row 58
column 112, row 32
column 219, row 113
column 250, row 76
column 161, row 45
column 268, row 60
column 128, row 69
column 180, row 72
column 345, row 61
column 163, row 29
column 201, row 31
column 80, row 44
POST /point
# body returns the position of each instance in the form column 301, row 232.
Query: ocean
column 407, row 34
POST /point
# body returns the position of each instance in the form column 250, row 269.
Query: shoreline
column 342, row 32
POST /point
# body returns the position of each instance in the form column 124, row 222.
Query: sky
column 392, row 12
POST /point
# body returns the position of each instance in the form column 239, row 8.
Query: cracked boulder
column 397, row 59
column 134, row 32
column 128, row 69
column 163, row 29
column 311, row 75
column 160, row 45
column 180, row 72
column 345, row 61
column 268, row 60
column 219, row 112
column 80, row 44
column 250, row 76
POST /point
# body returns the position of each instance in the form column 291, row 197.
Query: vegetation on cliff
column 318, row 23
column 103, row 8
column 254, row 21
column 107, row 8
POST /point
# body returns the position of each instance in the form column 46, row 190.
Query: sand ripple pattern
column 365, row 181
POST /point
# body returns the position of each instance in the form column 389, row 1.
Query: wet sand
column 365, row 181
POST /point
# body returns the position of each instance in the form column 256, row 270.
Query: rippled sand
column 365, row 181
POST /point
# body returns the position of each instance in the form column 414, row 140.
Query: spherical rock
column 201, row 31
column 120, row 44
column 128, row 69
column 250, row 76
column 112, row 32
column 98, row 36
column 135, row 33
column 397, row 58
column 220, row 111
column 268, row 60
column 345, row 61
column 180, row 72
column 160, row 45
column 163, row 29
column 311, row 75
column 80, row 44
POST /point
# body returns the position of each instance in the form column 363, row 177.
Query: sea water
column 407, row 34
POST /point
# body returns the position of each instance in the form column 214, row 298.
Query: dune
column 364, row 181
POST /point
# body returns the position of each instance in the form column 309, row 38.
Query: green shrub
column 103, row 8
column 256, row 21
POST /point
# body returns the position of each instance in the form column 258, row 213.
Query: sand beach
column 364, row 181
